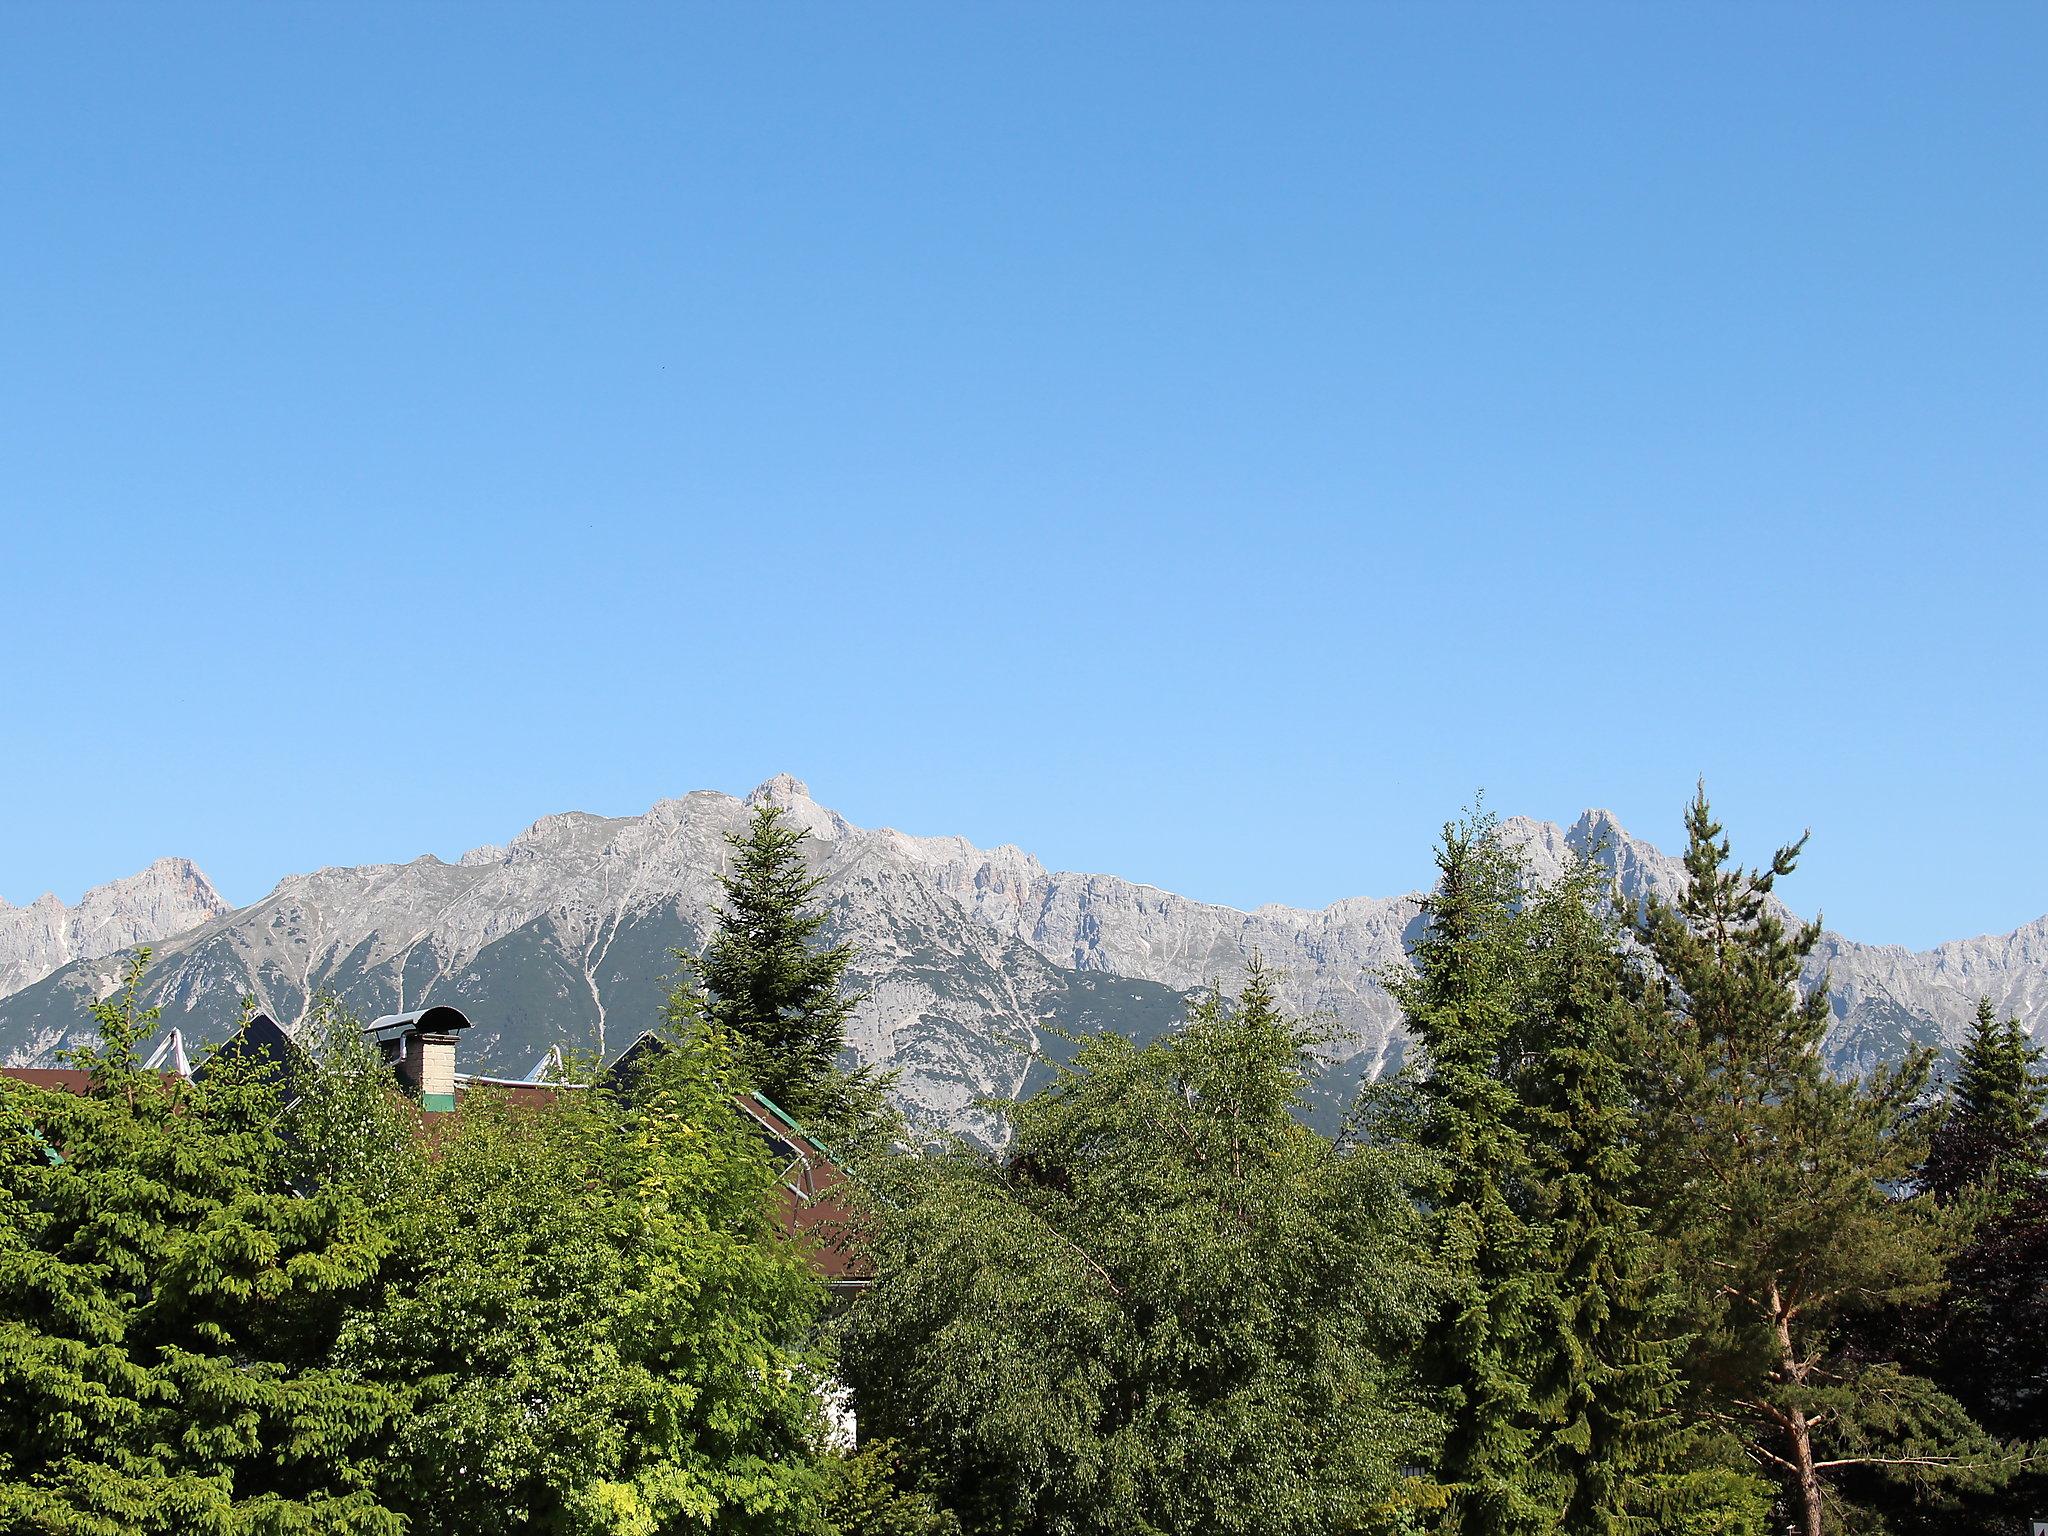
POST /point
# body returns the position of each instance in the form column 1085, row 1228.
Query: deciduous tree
column 591, row 1323
column 1170, row 1307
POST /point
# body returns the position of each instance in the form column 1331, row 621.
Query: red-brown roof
column 63, row 1079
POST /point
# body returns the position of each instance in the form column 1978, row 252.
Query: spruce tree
column 768, row 981
column 1466, row 1005
column 1985, row 1340
column 1781, row 1192
column 1557, row 1354
column 169, row 1305
column 1995, row 1133
column 1610, row 1380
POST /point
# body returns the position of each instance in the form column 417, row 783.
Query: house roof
column 62, row 1079
column 261, row 1046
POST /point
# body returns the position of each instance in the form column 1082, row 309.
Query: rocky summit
column 167, row 898
column 979, row 966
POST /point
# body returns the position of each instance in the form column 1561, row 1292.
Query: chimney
column 429, row 1068
column 420, row 1048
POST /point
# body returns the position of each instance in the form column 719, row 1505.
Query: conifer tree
column 168, row 1308
column 1610, row 1381
column 1995, row 1134
column 1779, row 1188
column 1985, row 1340
column 1558, row 1351
column 767, row 980
column 1466, row 1005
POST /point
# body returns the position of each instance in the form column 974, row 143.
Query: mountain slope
column 975, row 961
column 168, row 897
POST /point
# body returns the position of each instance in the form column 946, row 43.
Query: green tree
column 168, row 1308
column 1782, row 1191
column 770, row 985
column 1985, row 1339
column 593, row 1324
column 1169, row 1309
column 1556, row 1352
column 1466, row 1003
column 875, row 1491
column 350, row 1127
column 1611, row 1347
column 1994, row 1137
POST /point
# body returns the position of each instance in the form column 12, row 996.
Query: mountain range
column 978, row 965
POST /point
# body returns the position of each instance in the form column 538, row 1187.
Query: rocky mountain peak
column 794, row 796
column 784, row 789
column 164, row 899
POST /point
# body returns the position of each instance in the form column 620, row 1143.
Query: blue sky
column 1203, row 443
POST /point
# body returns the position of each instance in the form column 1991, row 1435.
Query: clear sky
column 1203, row 443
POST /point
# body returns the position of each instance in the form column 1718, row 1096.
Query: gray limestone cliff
column 165, row 899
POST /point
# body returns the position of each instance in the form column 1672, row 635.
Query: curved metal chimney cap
column 426, row 1021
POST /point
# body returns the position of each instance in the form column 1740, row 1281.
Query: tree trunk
column 1809, row 1479
column 1797, row 1430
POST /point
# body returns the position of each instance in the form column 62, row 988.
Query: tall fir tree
column 1466, row 1004
column 1985, row 1340
column 1994, row 1137
column 1780, row 1188
column 768, row 981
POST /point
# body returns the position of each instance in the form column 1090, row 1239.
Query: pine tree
column 1779, row 1186
column 767, row 981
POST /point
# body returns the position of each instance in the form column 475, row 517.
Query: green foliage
column 1784, row 1199
column 1615, row 1241
column 1466, row 1005
column 168, row 1306
column 226, row 1308
column 1555, row 1352
column 1170, row 1309
column 1989, row 1341
column 1610, row 1381
column 876, row 1491
column 772, row 989
column 1994, row 1138
column 350, row 1127
column 1984, row 1341
column 593, row 1328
